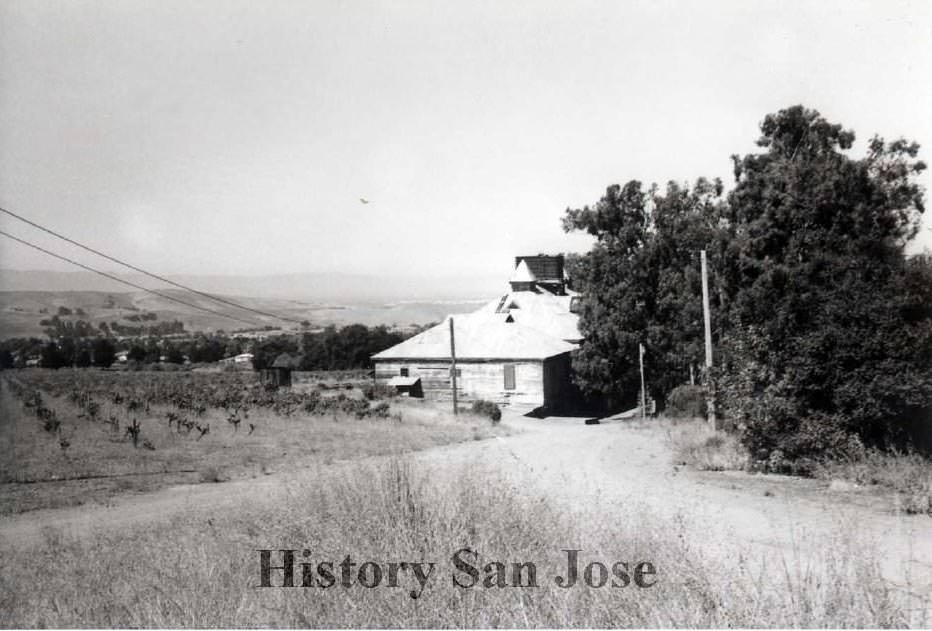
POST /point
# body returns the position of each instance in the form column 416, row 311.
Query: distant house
column 243, row 358
column 279, row 372
column 122, row 357
column 513, row 350
column 238, row 360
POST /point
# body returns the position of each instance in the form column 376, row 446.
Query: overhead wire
column 218, row 299
column 126, row 282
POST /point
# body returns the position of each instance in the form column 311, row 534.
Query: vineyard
column 71, row 436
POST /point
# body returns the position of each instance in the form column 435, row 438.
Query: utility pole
column 706, row 312
column 643, row 389
column 453, row 364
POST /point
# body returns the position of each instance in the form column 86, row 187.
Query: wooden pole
column 643, row 389
column 453, row 364
column 706, row 312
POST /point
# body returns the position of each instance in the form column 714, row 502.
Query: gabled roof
column 403, row 381
column 480, row 335
column 286, row 361
column 523, row 274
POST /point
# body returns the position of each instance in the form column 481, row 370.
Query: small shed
column 278, row 373
column 407, row 386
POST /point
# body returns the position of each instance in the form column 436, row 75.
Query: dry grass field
column 201, row 568
column 728, row 548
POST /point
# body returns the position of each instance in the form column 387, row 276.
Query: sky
column 238, row 137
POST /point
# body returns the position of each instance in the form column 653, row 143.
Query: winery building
column 515, row 350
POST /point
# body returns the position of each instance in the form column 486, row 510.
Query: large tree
column 829, row 328
column 823, row 326
column 104, row 352
column 641, row 284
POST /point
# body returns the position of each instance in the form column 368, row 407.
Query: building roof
column 403, row 381
column 541, row 310
column 286, row 361
column 521, row 324
column 523, row 274
column 479, row 335
column 544, row 267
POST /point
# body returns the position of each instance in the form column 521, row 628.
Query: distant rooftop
column 523, row 274
column 544, row 267
column 540, row 271
column 285, row 360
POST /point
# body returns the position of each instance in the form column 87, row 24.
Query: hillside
column 339, row 288
column 21, row 311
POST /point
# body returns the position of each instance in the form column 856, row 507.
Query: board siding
column 477, row 379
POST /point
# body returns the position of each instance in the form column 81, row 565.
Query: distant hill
column 317, row 288
column 21, row 311
column 26, row 297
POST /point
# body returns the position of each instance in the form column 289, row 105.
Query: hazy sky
column 237, row 137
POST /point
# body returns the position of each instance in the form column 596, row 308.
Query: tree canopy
column 823, row 327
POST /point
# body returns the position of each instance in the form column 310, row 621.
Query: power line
column 150, row 274
column 126, row 282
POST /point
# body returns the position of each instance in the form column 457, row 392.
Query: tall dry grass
column 201, row 570
column 696, row 444
column 909, row 474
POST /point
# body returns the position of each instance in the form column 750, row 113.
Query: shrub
column 358, row 407
column 312, row 403
column 686, row 402
column 487, row 408
column 380, row 410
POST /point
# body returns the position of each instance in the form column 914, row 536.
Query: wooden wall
column 477, row 380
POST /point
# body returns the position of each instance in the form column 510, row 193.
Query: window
column 509, row 376
column 404, row 372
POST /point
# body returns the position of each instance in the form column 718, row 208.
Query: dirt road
column 630, row 468
column 625, row 466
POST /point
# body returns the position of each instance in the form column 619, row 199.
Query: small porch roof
column 403, row 381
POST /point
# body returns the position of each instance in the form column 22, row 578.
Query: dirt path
column 777, row 517
column 625, row 467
